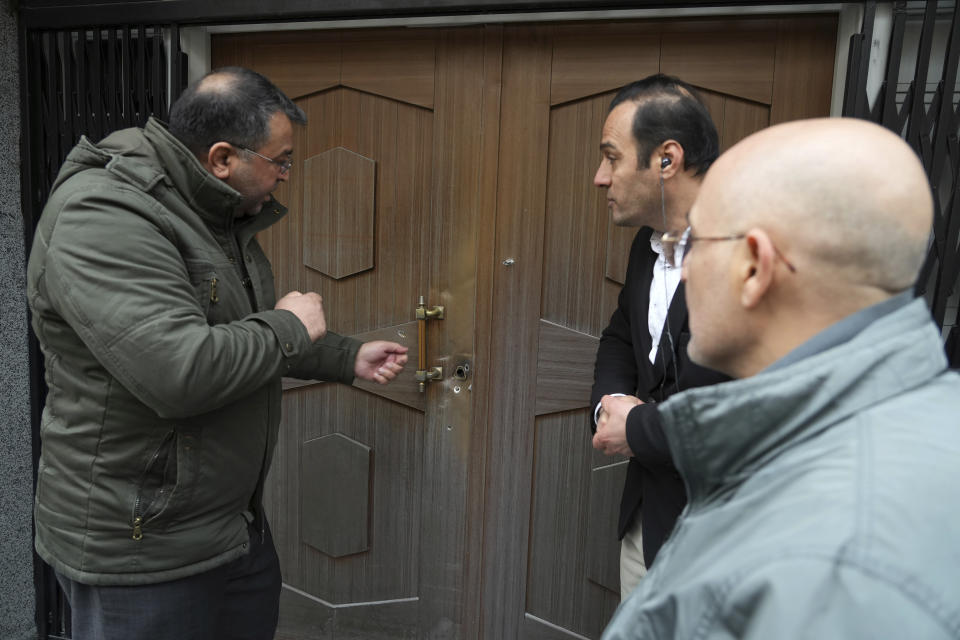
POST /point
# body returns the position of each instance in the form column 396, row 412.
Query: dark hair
column 670, row 109
column 231, row 104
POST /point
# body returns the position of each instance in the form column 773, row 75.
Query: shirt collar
column 656, row 244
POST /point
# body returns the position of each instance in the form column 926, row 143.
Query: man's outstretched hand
column 380, row 361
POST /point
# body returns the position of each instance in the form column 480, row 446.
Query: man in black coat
column 657, row 143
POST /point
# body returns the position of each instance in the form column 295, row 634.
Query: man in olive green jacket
column 824, row 482
column 165, row 345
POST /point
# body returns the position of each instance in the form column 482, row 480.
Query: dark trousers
column 238, row 601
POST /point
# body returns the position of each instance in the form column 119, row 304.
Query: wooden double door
column 456, row 164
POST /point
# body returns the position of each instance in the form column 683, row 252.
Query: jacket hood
column 720, row 435
column 152, row 155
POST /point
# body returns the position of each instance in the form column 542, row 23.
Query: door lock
column 462, row 372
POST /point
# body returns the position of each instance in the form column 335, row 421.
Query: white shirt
column 663, row 285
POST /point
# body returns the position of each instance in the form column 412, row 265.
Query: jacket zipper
column 138, row 521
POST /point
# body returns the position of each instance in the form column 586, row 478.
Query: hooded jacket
column 153, row 306
column 823, row 498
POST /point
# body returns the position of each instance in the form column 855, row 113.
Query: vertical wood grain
column 564, row 367
column 559, row 591
column 298, row 62
column 396, row 63
column 450, row 433
column 734, row 57
column 740, row 119
column 714, row 103
column 619, row 241
column 486, row 372
column 398, row 137
column 524, row 127
column 576, row 216
column 803, row 75
column 593, row 59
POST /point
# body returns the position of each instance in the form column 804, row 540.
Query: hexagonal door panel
column 338, row 212
column 335, row 487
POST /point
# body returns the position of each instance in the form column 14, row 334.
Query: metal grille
column 923, row 109
column 83, row 82
column 91, row 82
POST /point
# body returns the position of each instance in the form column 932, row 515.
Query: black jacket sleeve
column 619, row 354
column 646, row 438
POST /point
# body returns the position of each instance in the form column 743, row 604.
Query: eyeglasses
column 671, row 240
column 284, row 166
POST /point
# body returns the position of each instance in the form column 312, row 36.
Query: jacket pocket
column 206, row 285
column 157, row 484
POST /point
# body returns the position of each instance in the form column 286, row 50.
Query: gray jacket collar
column 720, row 435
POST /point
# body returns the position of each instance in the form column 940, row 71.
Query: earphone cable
column 666, row 299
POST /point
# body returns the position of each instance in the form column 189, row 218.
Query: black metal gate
column 923, row 110
column 83, row 82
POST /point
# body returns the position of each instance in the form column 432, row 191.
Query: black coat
column 623, row 366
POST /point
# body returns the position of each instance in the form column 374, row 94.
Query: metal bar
column 176, row 64
column 918, row 124
column 140, row 66
column 889, row 115
column 126, row 91
column 947, row 276
column 54, row 129
column 61, row 111
column 40, row 14
column 926, row 270
column 72, row 94
column 946, row 123
column 157, row 71
column 861, row 103
column 952, row 347
column 83, row 96
column 113, row 102
column 876, row 112
column 96, row 90
column 904, row 112
column 64, row 103
column 855, row 84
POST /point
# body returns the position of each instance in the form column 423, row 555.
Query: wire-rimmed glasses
column 284, row 165
column 671, row 240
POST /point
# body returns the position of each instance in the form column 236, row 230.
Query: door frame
column 195, row 40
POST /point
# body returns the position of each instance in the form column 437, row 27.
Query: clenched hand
column 308, row 307
column 611, row 435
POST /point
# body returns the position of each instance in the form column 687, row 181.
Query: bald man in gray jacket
column 823, row 483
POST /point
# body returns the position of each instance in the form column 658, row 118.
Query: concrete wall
column 16, row 496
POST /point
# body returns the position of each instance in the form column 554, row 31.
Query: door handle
column 423, row 374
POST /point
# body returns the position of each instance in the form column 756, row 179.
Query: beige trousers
column 632, row 567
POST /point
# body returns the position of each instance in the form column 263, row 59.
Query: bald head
column 822, row 217
column 849, row 197
column 219, row 81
